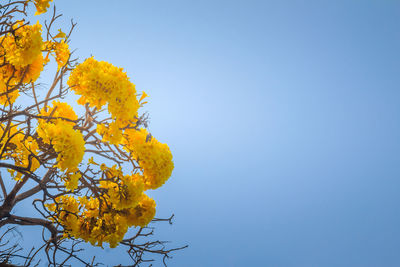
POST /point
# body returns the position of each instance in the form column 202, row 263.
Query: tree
column 86, row 175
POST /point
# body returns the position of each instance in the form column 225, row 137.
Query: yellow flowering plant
column 87, row 174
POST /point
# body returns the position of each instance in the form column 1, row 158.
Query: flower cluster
column 154, row 157
column 56, row 128
column 19, row 148
column 60, row 112
column 93, row 220
column 53, row 137
column 23, row 60
column 42, row 6
column 23, row 47
column 111, row 132
column 123, row 191
column 100, row 83
column 59, row 50
column 119, row 202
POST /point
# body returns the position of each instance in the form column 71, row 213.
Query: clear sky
column 283, row 118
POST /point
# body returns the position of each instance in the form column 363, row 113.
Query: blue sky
column 282, row 116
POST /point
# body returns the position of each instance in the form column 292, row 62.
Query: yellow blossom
column 91, row 161
column 23, row 47
column 18, row 148
column 8, row 94
column 67, row 142
column 11, row 77
column 100, row 83
column 71, row 182
column 124, row 191
column 111, row 133
column 59, row 112
column 60, row 34
column 154, row 157
column 144, row 95
column 143, row 213
column 42, row 6
column 62, row 53
column 59, row 50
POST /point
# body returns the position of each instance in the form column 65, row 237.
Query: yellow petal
column 144, row 95
column 60, row 34
column 91, row 161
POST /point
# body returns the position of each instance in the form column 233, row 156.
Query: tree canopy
column 84, row 166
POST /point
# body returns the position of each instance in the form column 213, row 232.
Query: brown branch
column 46, row 178
column 14, row 219
column 3, row 188
column 9, row 201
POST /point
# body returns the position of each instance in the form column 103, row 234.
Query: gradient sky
column 282, row 116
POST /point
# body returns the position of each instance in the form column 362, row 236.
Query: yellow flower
column 111, row 133
column 10, row 77
column 11, row 95
column 100, row 83
column 19, row 149
column 68, row 213
column 67, row 142
column 91, row 161
column 62, row 53
column 154, row 157
column 144, row 95
column 33, row 70
column 22, row 48
column 124, row 191
column 59, row 111
column 143, row 213
column 89, row 220
column 71, row 182
column 60, row 34
column 42, row 6
column 103, row 167
column 59, row 50
column 96, row 222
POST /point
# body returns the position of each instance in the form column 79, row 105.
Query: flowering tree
column 85, row 174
